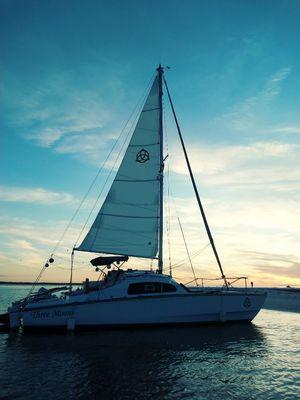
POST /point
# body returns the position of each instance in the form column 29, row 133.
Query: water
column 240, row 361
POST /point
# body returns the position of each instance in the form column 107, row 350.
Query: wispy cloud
column 35, row 196
column 272, row 87
column 78, row 112
column 35, row 232
column 289, row 271
column 243, row 114
column 58, row 105
column 274, row 264
column 22, row 244
column 256, row 164
column 287, row 129
column 90, row 147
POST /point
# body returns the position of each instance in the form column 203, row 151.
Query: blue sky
column 72, row 72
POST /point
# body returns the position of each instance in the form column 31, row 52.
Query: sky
column 72, row 72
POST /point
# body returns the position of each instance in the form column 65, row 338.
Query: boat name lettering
column 53, row 314
column 58, row 313
column 40, row 314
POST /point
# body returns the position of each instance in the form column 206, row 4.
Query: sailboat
column 130, row 224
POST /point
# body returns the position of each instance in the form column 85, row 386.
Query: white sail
column 127, row 222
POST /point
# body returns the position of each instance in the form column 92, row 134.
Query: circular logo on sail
column 142, row 156
column 247, row 302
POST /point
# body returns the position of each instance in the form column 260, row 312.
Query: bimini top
column 108, row 260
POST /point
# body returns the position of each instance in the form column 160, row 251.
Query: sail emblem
column 142, row 156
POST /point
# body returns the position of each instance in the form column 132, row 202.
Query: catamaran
column 130, row 224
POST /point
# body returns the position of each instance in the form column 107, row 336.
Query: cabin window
column 150, row 287
column 144, row 287
column 167, row 287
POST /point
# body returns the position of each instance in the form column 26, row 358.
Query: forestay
column 127, row 222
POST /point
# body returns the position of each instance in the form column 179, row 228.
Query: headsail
column 127, row 222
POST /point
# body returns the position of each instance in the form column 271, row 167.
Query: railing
column 230, row 281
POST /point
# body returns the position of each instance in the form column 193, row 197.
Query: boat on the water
column 130, row 224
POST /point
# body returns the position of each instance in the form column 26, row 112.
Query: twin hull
column 191, row 308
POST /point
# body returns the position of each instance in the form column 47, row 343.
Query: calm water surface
column 243, row 361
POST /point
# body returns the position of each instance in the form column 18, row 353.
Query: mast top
column 160, row 69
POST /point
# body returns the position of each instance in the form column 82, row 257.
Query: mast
column 196, row 190
column 160, row 72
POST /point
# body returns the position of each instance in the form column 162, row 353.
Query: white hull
column 190, row 308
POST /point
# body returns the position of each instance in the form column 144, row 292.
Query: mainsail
column 127, row 222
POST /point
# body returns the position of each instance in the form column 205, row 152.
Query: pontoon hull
column 192, row 308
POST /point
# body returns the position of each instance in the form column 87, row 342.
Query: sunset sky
column 72, row 72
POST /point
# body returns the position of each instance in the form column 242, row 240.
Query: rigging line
column 36, row 280
column 145, row 93
column 168, row 224
column 169, row 219
column 195, row 189
column 183, row 262
column 180, row 264
column 187, row 250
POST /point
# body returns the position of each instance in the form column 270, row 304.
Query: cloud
column 77, row 113
column 90, row 147
column 38, row 233
column 53, row 106
column 22, row 244
column 248, row 233
column 252, row 178
column 252, row 165
column 242, row 230
column 272, row 87
column 287, row 129
column 289, row 271
column 35, row 196
column 243, row 115
column 282, row 265
column 272, row 223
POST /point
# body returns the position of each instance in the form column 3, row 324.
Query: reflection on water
column 136, row 363
column 243, row 361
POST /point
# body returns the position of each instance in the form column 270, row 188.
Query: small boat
column 130, row 224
